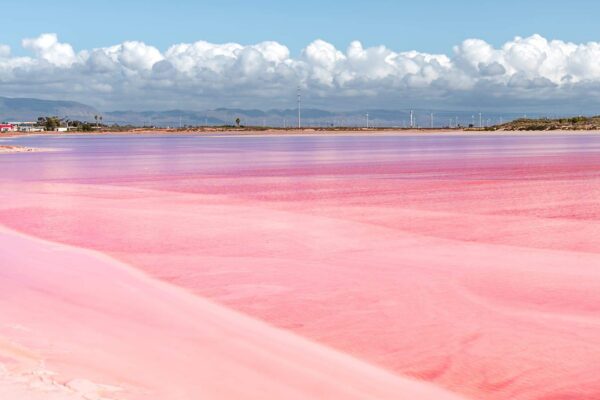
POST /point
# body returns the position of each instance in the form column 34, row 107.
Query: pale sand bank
column 92, row 319
column 7, row 149
column 16, row 149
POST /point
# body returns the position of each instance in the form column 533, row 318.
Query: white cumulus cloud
column 531, row 70
column 47, row 47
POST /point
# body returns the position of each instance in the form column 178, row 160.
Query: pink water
column 471, row 263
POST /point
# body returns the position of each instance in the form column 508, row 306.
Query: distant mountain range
column 23, row 109
column 310, row 118
column 30, row 109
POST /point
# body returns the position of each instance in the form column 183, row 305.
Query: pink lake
column 174, row 267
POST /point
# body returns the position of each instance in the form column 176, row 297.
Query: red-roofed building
column 7, row 128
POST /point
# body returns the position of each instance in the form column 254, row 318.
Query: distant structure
column 412, row 119
column 431, row 120
column 299, row 114
column 21, row 127
column 480, row 121
column 367, row 120
column 7, row 128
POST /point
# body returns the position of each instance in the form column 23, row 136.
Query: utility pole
column 299, row 114
column 412, row 119
column 367, row 120
column 480, row 121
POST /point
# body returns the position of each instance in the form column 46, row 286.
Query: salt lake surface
column 469, row 263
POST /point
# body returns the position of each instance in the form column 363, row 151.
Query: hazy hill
column 24, row 109
column 547, row 124
column 172, row 118
column 310, row 117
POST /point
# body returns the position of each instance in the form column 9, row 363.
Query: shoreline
column 304, row 132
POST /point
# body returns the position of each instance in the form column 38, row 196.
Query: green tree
column 49, row 123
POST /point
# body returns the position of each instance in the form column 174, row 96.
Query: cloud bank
column 524, row 72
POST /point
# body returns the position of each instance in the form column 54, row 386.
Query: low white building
column 27, row 126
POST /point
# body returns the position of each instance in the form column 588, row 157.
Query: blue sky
column 425, row 25
column 462, row 54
